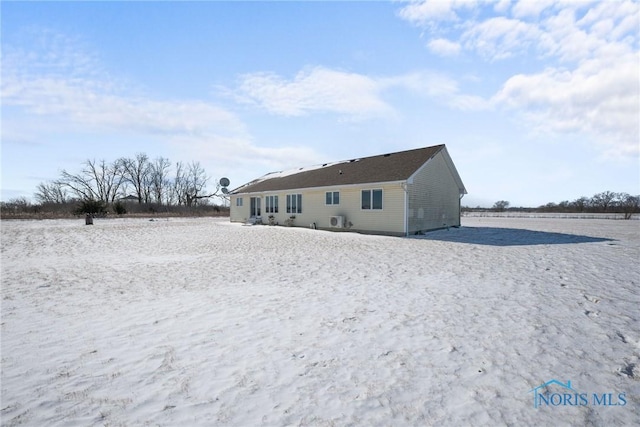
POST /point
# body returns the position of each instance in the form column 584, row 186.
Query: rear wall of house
column 388, row 220
column 433, row 198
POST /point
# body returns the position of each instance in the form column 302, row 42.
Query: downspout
column 460, row 209
column 405, row 187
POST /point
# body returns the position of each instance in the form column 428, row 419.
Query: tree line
column 138, row 178
column 607, row 201
column 604, row 202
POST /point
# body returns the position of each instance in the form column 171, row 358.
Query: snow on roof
column 289, row 172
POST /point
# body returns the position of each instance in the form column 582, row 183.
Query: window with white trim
column 372, row 199
column 294, row 203
column 332, row 198
column 271, row 204
column 238, row 201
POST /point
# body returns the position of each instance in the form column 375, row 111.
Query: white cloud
column 555, row 34
column 591, row 99
column 502, row 6
column 437, row 86
column 588, row 52
column 315, row 89
column 62, row 89
column 232, row 155
column 444, row 47
column 422, row 12
column 531, row 8
column 621, row 18
column 351, row 95
column 500, row 37
column 58, row 78
column 81, row 102
column 566, row 41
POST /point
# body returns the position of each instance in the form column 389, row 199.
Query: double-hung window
column 294, row 203
column 238, row 201
column 332, row 198
column 372, row 199
column 271, row 204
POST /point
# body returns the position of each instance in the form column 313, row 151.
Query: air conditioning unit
column 337, row 221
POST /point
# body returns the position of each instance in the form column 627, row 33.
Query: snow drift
column 203, row 322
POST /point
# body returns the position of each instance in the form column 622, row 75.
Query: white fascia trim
column 454, row 172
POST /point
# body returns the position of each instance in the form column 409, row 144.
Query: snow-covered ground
column 564, row 215
column 203, row 322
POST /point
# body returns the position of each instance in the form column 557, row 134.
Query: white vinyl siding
column 433, row 197
column 389, row 220
column 239, row 211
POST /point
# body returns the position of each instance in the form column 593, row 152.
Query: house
column 395, row 194
column 129, row 199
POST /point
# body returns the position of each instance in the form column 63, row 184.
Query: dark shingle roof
column 383, row 168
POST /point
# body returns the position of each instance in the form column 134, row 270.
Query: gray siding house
column 397, row 194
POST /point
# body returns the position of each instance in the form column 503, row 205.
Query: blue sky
column 537, row 101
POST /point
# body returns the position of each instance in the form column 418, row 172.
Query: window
column 371, row 199
column 377, row 199
column 271, row 203
column 294, row 203
column 332, row 198
column 239, row 201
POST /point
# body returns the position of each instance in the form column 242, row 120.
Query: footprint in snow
column 622, row 337
column 630, row 370
column 591, row 298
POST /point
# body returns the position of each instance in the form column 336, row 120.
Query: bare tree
column 158, row 177
column 500, row 205
column 107, row 177
column 96, row 181
column 196, row 183
column 178, row 185
column 51, row 192
column 629, row 204
column 189, row 185
column 148, row 181
column 580, row 204
column 136, row 172
column 602, row 201
column 81, row 185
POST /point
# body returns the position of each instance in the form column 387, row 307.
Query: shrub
column 119, row 208
column 93, row 207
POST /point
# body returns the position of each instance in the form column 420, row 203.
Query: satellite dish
column 224, row 182
column 225, row 190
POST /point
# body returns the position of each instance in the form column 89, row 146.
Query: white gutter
column 405, row 187
column 364, row 185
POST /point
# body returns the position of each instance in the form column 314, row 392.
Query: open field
column 550, row 215
column 197, row 321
